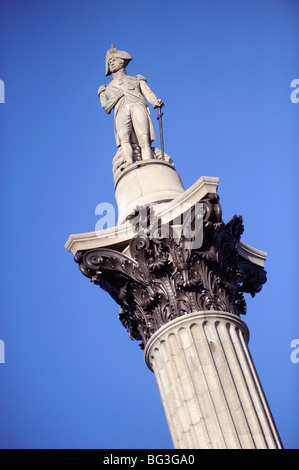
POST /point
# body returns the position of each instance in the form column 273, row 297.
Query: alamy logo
column 295, row 353
column 295, row 93
column 2, row 92
column 144, row 220
column 2, row 355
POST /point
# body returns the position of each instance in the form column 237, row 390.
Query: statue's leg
column 123, row 126
column 141, row 126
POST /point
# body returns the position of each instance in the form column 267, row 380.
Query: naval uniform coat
column 127, row 91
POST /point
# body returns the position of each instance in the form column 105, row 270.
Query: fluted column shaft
column 209, row 387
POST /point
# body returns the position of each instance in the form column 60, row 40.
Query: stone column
column 210, row 390
column 183, row 303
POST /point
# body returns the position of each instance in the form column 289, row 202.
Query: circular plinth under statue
column 146, row 182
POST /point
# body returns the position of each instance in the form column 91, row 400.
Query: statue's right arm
column 109, row 103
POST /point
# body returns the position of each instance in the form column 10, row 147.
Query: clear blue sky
column 72, row 378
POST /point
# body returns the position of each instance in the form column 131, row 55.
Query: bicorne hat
column 113, row 52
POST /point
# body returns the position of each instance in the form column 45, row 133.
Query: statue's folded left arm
column 109, row 103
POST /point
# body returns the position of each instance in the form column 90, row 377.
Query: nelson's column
column 178, row 273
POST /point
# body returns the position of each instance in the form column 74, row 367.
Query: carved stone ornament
column 119, row 163
column 165, row 278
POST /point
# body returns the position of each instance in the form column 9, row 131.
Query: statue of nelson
column 125, row 94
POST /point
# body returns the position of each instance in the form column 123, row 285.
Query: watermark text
column 2, row 353
column 184, row 223
column 295, row 93
column 2, row 91
column 295, row 353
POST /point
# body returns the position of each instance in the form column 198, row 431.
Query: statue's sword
column 160, row 114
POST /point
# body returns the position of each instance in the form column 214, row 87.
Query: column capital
column 163, row 277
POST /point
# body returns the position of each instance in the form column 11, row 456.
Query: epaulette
column 101, row 89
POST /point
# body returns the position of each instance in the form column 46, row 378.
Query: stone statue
column 126, row 95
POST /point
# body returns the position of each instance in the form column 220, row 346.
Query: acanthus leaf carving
column 165, row 278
